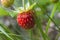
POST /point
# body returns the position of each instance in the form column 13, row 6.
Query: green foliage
column 42, row 13
column 3, row 12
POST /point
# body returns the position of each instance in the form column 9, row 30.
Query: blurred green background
column 47, row 22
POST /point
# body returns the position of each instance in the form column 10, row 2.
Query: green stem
column 23, row 2
column 40, row 27
column 31, row 35
column 34, row 34
column 44, row 35
column 12, row 34
column 51, row 16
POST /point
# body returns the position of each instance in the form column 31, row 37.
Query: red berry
column 26, row 19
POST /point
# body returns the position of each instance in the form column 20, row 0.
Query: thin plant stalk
column 23, row 3
column 51, row 16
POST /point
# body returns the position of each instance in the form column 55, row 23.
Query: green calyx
column 28, row 8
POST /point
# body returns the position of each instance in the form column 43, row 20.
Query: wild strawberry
column 26, row 19
column 7, row 3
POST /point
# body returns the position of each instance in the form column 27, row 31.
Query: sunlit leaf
column 3, row 12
